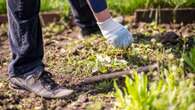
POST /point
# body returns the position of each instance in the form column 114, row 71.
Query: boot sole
column 17, row 88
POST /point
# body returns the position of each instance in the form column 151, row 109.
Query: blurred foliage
column 46, row 5
column 119, row 6
column 129, row 6
column 2, row 6
column 55, row 5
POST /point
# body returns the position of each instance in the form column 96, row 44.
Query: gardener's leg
column 115, row 33
column 83, row 16
column 26, row 69
column 25, row 37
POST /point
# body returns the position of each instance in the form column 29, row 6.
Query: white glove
column 115, row 33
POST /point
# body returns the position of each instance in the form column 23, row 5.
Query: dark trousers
column 25, row 35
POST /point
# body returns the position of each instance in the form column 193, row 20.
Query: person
column 26, row 70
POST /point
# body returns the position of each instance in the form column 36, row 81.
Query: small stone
column 169, row 38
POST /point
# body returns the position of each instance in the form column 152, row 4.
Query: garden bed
column 166, row 15
column 71, row 60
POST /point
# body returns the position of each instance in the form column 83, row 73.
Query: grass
column 90, row 58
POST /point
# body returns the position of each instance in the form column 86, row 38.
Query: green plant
column 104, row 63
column 105, row 85
column 170, row 92
column 136, row 94
column 189, row 58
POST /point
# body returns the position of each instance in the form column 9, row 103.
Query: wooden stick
column 118, row 74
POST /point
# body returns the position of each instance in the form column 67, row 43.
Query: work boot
column 41, row 84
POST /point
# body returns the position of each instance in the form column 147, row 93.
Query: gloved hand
column 115, row 33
